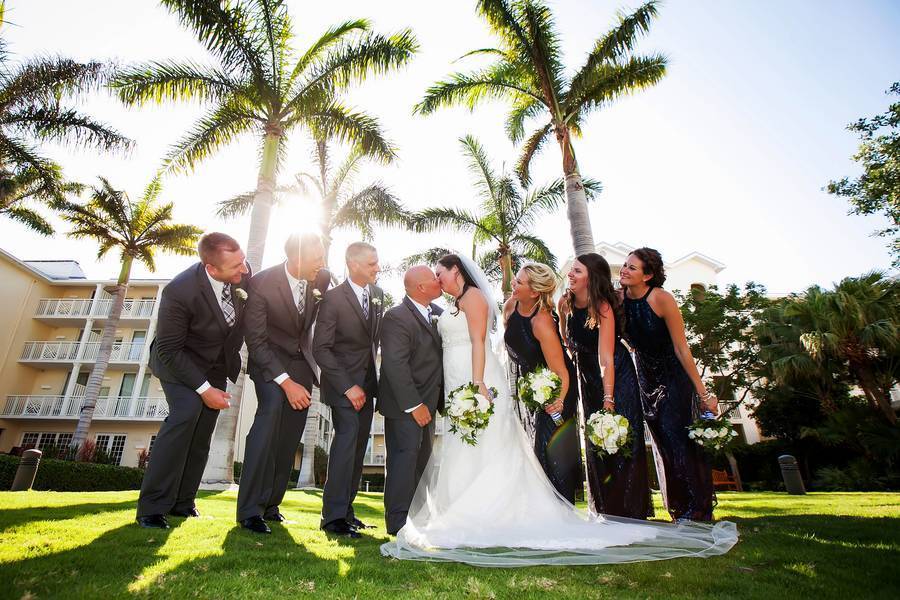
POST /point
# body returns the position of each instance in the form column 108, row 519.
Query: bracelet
column 477, row 382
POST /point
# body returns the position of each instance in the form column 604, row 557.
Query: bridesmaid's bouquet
column 610, row 433
column 540, row 388
column 711, row 433
column 469, row 411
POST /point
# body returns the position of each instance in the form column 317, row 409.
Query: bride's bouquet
column 711, row 433
column 540, row 388
column 469, row 411
column 609, row 432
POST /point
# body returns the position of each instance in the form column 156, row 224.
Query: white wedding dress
column 491, row 504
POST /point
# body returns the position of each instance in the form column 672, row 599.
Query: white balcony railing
column 38, row 351
column 110, row 407
column 81, row 307
column 374, row 459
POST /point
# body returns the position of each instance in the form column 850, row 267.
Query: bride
column 491, row 504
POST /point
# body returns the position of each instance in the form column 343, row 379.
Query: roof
column 66, row 272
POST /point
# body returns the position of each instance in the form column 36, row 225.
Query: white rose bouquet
column 609, row 432
column 469, row 411
column 711, row 433
column 540, row 388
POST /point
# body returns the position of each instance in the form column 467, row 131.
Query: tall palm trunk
column 576, row 199
column 878, row 397
column 219, row 471
column 95, row 381
column 506, row 271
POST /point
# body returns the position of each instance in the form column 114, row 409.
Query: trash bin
column 790, row 472
column 27, row 470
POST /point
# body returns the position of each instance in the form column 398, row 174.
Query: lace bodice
column 453, row 328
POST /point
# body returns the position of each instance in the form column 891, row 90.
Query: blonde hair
column 542, row 280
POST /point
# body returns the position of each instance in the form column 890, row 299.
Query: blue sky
column 727, row 156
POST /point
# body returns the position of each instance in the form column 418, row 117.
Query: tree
column 529, row 73
column 877, row 190
column 138, row 230
column 506, row 219
column 34, row 96
column 342, row 205
column 24, row 186
column 260, row 86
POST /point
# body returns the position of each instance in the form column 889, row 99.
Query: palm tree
column 857, row 324
column 331, row 188
column 33, row 110
column 24, row 186
column 506, row 218
column 261, row 87
column 138, row 230
column 529, row 73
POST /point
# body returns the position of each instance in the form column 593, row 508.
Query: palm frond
column 501, row 81
column 340, row 123
column 171, row 81
column 444, row 218
column 609, row 82
column 479, row 166
column 215, row 130
column 29, row 217
column 374, row 205
column 532, row 146
column 329, row 39
column 426, row 257
column 57, row 124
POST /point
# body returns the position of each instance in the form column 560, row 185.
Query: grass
column 86, row 545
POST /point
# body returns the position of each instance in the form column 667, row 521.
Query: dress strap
column 644, row 297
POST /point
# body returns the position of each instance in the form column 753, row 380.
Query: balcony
column 125, row 355
column 108, row 408
column 374, row 460
column 74, row 311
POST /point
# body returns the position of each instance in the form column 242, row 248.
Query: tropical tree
column 25, row 186
column 331, row 187
column 506, row 218
column 259, row 86
column 34, row 109
column 530, row 75
column 138, row 230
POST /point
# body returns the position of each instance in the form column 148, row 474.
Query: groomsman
column 282, row 307
column 345, row 345
column 198, row 338
column 410, row 389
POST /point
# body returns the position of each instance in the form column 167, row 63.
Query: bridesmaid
column 591, row 312
column 669, row 385
column 533, row 340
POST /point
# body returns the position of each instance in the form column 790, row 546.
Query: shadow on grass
column 14, row 517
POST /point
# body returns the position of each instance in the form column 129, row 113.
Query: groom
column 410, row 389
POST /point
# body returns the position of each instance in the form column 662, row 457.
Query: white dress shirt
column 293, row 283
column 217, row 287
column 358, row 290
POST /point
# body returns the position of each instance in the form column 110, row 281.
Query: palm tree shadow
column 11, row 518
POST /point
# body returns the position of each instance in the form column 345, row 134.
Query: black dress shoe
column 153, row 521
column 181, row 513
column 357, row 524
column 275, row 516
column 256, row 525
column 340, row 527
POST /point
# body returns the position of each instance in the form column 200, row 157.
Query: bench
column 722, row 480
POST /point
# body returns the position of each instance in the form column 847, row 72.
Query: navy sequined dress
column 619, row 486
column 556, row 448
column 670, row 405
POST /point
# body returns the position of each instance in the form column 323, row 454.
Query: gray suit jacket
column 411, row 361
column 345, row 343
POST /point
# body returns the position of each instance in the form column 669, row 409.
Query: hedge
column 71, row 476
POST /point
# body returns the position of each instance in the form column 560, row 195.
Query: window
column 150, row 447
column 30, row 440
column 112, row 444
column 46, row 439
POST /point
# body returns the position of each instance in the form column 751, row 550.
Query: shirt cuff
column 203, row 387
column 409, row 410
column 280, row 379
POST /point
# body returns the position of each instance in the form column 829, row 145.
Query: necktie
column 365, row 303
column 228, row 305
column 430, row 315
column 301, row 302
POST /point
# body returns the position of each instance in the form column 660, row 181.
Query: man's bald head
column 421, row 284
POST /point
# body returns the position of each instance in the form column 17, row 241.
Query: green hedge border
column 71, row 476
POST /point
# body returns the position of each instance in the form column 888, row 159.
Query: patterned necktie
column 430, row 316
column 365, row 303
column 228, row 305
column 301, row 303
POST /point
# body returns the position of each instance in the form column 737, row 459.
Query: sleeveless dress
column 491, row 504
column 619, row 485
column 556, row 447
column 670, row 405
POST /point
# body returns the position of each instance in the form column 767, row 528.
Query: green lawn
column 86, row 545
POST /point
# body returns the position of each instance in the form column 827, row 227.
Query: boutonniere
column 376, row 301
column 317, row 295
column 241, row 293
column 434, row 318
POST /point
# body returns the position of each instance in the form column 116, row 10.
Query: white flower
column 240, row 293
column 723, row 433
column 434, row 318
column 692, row 434
column 376, row 301
column 732, row 433
column 317, row 295
column 709, row 433
column 483, row 403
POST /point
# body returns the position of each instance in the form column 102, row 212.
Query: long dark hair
column 448, row 261
column 600, row 289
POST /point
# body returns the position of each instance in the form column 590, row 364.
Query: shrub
column 71, row 476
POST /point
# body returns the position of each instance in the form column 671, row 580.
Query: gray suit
column 345, row 344
column 411, row 374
